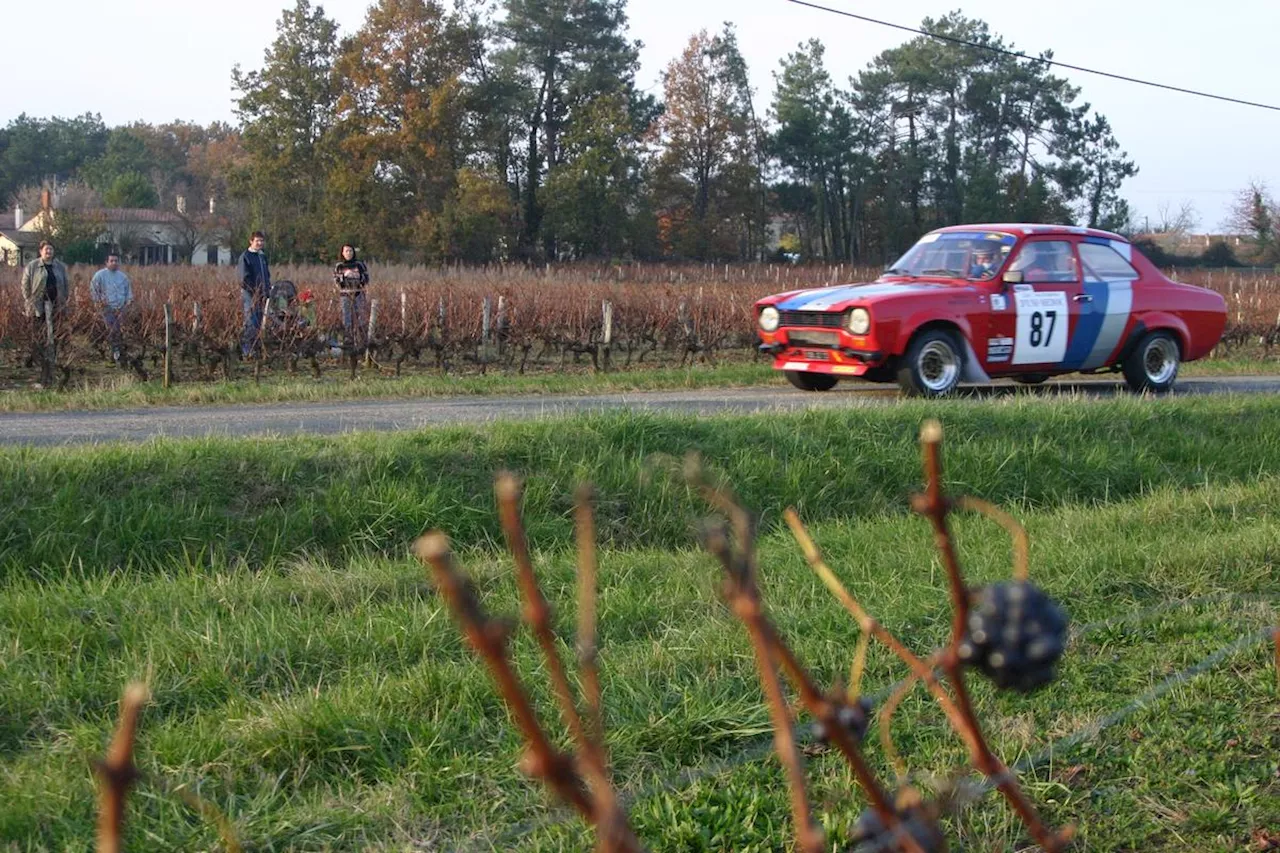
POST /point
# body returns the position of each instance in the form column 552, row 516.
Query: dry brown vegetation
column 479, row 318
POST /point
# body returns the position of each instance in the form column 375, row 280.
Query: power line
column 1017, row 55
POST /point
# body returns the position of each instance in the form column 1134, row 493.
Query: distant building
column 143, row 236
column 1191, row 245
column 18, row 247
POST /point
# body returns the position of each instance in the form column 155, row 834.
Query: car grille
column 816, row 339
column 824, row 319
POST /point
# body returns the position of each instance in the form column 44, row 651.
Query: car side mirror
column 1012, row 277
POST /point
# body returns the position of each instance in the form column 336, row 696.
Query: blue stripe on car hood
column 825, row 298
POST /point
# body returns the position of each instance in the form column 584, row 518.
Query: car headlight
column 769, row 318
column 859, row 321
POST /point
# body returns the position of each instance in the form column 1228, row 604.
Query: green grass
column 126, row 392
column 123, row 392
column 97, row 509
column 307, row 680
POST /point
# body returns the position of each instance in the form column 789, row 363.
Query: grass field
column 737, row 372
column 307, row 681
column 277, row 388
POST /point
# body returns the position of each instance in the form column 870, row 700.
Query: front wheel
column 806, row 381
column 932, row 365
column 1153, row 364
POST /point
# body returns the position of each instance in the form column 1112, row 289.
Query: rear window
column 1104, row 262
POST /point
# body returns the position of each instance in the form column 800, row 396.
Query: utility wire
column 1017, row 55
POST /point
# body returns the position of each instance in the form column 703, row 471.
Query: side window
column 1105, row 263
column 1046, row 261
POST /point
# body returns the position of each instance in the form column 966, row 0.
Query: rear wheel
column 932, row 365
column 806, row 381
column 1031, row 378
column 1153, row 364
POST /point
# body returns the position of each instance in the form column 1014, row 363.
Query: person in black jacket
column 351, row 276
column 255, row 290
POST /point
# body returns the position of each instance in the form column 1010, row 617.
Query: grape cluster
column 854, row 719
column 871, row 836
column 1015, row 635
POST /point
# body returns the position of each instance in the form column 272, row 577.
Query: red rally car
column 975, row 303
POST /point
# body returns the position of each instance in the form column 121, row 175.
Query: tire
column 1031, row 378
column 932, row 365
column 806, row 381
column 1153, row 364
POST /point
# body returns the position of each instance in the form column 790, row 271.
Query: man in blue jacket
column 255, row 288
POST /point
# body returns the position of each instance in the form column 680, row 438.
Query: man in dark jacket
column 255, row 288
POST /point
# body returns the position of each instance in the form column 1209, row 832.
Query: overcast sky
column 143, row 59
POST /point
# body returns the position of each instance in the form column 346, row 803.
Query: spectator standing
column 44, row 280
column 112, row 293
column 351, row 276
column 255, row 290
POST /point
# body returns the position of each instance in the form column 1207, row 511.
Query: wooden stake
column 168, row 344
column 368, row 341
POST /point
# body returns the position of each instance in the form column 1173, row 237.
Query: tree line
column 517, row 131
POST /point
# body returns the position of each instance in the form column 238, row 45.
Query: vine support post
column 368, row 341
column 168, row 343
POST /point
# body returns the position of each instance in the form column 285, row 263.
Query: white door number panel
column 1042, row 327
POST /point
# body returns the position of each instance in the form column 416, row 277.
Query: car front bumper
column 852, row 356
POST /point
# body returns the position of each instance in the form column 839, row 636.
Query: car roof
column 1022, row 229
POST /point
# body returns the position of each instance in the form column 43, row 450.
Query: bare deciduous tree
column 1177, row 221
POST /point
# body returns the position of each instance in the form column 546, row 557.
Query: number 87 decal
column 1042, row 327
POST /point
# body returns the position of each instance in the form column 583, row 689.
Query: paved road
column 388, row 415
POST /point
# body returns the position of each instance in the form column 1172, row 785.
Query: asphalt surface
column 134, row 425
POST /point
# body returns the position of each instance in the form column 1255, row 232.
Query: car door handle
column 1082, row 297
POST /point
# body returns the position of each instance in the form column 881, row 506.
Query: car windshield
column 969, row 255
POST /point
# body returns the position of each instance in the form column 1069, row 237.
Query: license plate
column 813, row 339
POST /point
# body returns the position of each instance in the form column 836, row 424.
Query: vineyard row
column 508, row 318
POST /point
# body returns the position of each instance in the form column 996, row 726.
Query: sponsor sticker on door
column 999, row 349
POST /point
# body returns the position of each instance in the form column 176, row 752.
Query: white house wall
column 200, row 257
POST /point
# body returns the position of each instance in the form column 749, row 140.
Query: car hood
column 841, row 296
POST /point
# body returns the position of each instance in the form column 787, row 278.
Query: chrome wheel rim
column 938, row 366
column 1160, row 361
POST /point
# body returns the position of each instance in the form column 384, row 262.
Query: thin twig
column 1276, row 638
column 117, row 773
column 935, row 506
column 858, row 667
column 887, row 710
column 537, row 613
column 919, row 668
column 612, row 826
column 204, row 808
column 1018, row 533
column 489, row 639
column 827, row 712
column 740, row 593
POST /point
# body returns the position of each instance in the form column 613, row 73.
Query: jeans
column 39, row 338
column 354, row 319
column 254, row 306
column 113, row 317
